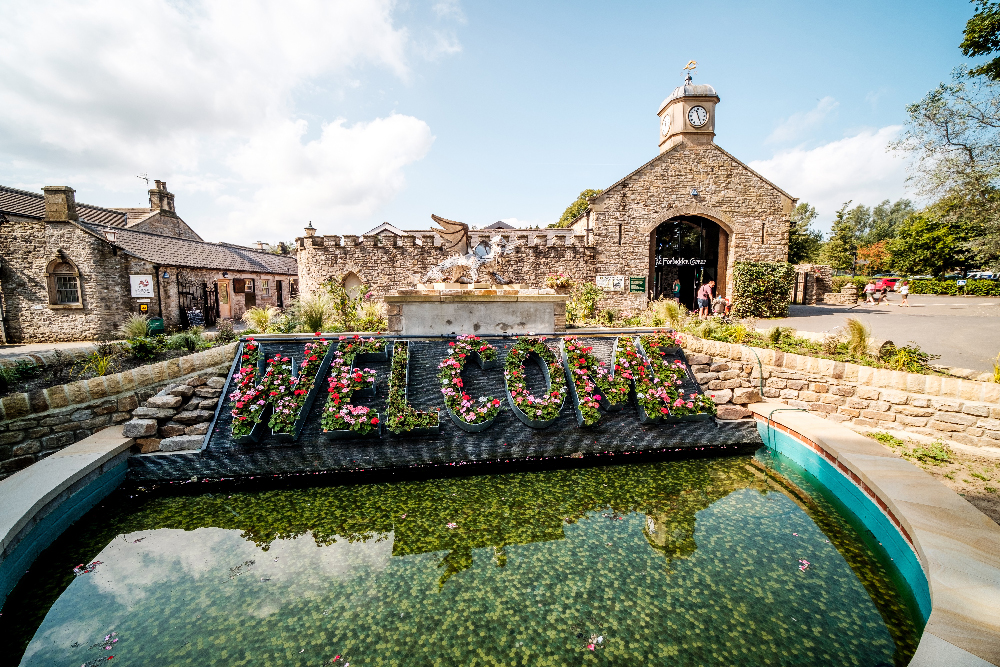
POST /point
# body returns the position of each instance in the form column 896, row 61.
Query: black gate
column 199, row 304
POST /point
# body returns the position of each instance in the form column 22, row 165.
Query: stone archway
column 686, row 251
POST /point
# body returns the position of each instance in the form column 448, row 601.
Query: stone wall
column 820, row 283
column 34, row 425
column 27, row 245
column 729, row 193
column 963, row 411
column 388, row 262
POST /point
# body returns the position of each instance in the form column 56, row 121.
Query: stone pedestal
column 473, row 309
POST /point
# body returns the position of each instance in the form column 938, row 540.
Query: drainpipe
column 159, row 297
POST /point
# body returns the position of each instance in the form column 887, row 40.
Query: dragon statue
column 465, row 265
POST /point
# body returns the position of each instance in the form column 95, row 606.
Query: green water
column 672, row 563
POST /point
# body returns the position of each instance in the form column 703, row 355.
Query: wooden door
column 225, row 307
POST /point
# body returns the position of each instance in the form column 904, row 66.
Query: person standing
column 904, row 291
column 677, row 290
column 705, row 300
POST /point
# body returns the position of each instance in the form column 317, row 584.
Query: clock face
column 664, row 125
column 697, row 116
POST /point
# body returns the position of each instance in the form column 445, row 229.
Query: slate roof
column 499, row 224
column 32, row 205
column 172, row 251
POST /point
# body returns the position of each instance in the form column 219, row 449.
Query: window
column 265, row 286
column 63, row 280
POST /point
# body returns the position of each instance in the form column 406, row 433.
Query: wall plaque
column 141, row 285
column 637, row 284
column 611, row 283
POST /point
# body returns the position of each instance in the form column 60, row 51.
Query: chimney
column 60, row 203
column 160, row 199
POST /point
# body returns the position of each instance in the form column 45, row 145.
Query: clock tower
column 688, row 115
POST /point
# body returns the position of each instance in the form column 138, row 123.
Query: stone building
column 73, row 271
column 686, row 216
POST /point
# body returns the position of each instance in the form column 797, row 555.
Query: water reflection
column 694, row 561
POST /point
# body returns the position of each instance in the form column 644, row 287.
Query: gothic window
column 63, row 280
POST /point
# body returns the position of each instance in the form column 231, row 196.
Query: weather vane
column 144, row 176
column 691, row 68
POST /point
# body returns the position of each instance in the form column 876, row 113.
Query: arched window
column 64, row 284
column 353, row 284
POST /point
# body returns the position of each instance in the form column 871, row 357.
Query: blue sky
column 264, row 115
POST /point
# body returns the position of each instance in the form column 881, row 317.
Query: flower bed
column 469, row 414
column 594, row 385
column 534, row 411
column 402, row 418
column 248, row 398
column 340, row 418
column 665, row 379
column 290, row 394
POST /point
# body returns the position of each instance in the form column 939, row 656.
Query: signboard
column 637, row 284
column 611, row 283
column 144, row 308
column 960, row 283
column 679, row 261
column 141, row 285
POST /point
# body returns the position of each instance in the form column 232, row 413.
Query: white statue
column 487, row 257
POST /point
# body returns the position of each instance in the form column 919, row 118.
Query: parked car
column 886, row 284
column 982, row 275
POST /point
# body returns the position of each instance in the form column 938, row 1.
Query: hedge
column 972, row 287
column 762, row 289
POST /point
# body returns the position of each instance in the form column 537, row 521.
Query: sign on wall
column 141, row 285
column 611, row 283
column 679, row 261
column 637, row 284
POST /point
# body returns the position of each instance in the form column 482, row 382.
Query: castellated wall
column 387, row 262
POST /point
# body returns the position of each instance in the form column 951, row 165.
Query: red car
column 888, row 284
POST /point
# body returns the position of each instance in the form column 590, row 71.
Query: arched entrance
column 684, row 252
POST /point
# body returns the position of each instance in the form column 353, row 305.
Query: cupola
column 688, row 115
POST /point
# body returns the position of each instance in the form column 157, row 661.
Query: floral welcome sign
column 273, row 395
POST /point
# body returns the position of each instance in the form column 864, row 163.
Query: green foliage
column 313, row 313
column 762, row 289
column 982, row 38
column 402, row 417
column 583, row 304
column 97, row 364
column 951, row 287
column 935, row 453
column 136, row 326
column 804, row 242
column 927, row 244
column 262, row 319
column 840, row 250
column 908, row 358
column 224, row 332
column 21, row 370
column 885, row 220
column 145, row 348
column 190, row 340
column 574, row 210
column 838, row 282
column 887, row 439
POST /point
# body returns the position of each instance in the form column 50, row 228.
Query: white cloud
column 796, row 126
column 855, row 168
column 199, row 92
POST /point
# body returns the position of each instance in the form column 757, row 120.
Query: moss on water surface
column 695, row 562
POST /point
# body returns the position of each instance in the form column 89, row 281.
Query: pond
column 741, row 560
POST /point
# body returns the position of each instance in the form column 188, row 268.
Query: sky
column 263, row 115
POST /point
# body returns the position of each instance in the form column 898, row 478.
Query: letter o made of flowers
column 469, row 413
column 535, row 411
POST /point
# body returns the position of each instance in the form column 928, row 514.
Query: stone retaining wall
column 34, row 425
column 964, row 411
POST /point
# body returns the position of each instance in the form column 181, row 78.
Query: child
column 904, row 290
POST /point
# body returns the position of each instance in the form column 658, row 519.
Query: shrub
column 313, row 313
column 583, row 304
column 261, row 319
column 144, row 348
column 136, row 326
column 21, row 370
column 371, row 316
column 907, row 358
column 96, row 364
column 951, row 287
column 190, row 340
column 559, row 281
column 858, row 337
column 935, row 453
column 762, row 289
column 225, row 332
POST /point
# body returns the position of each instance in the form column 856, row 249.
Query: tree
column 954, row 135
column 875, row 256
column 574, row 210
column 840, row 251
column 982, row 37
column 885, row 220
column 804, row 242
column 924, row 244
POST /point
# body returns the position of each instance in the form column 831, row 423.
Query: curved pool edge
column 41, row 501
column 954, row 543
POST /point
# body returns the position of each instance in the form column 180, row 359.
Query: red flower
column 374, row 420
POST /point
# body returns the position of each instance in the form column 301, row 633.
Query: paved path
column 25, row 349
column 965, row 331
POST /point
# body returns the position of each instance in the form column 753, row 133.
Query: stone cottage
column 73, row 271
column 684, row 217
